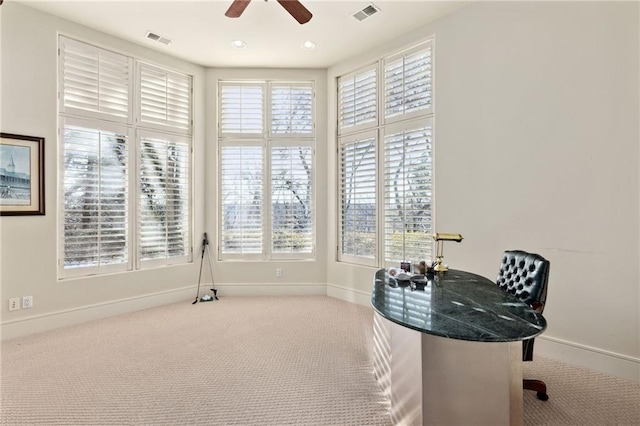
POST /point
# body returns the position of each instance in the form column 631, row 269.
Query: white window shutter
column 241, row 109
column 291, row 200
column 95, row 81
column 291, row 109
column 358, row 100
column 408, row 181
column 163, row 212
column 165, row 98
column 95, row 206
column 408, row 83
column 241, row 197
column 358, row 198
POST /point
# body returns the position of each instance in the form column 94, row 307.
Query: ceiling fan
column 294, row 7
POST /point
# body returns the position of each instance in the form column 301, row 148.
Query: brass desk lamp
column 440, row 238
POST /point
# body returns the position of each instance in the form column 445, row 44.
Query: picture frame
column 21, row 175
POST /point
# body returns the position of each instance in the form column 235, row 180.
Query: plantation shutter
column 358, row 198
column 408, row 83
column 94, row 81
column 241, row 196
column 163, row 216
column 291, row 110
column 291, row 200
column 357, row 100
column 241, row 109
column 408, row 191
column 165, row 98
column 95, row 190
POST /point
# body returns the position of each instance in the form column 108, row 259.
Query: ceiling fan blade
column 236, row 8
column 297, row 10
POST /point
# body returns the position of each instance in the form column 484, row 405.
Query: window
column 291, row 202
column 95, row 82
column 408, row 84
column 358, row 189
column 408, row 191
column 163, row 224
column 95, row 196
column 387, row 158
column 242, row 185
column 125, row 177
column 358, row 100
column 165, row 99
column 266, row 138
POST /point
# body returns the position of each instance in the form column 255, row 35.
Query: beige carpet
column 245, row 361
column 578, row 396
column 249, row 361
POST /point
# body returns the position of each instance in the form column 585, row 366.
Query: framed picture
column 21, row 175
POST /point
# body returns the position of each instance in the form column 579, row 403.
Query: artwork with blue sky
column 20, row 156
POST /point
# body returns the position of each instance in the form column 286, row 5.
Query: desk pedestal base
column 432, row 380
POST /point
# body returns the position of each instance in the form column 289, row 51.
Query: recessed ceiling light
column 238, row 44
column 308, row 45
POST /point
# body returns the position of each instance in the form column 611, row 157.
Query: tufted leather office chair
column 525, row 275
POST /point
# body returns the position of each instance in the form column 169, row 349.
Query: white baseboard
column 349, row 294
column 271, row 289
column 611, row 363
column 49, row 321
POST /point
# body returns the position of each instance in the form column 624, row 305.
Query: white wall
column 28, row 254
column 537, row 148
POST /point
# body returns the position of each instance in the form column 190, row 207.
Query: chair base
column 536, row 385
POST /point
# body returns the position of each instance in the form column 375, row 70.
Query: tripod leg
column 199, row 278
column 214, row 289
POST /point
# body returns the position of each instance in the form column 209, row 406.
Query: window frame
column 173, row 260
column 425, row 46
column 63, row 42
column 139, row 121
column 267, row 140
column 380, row 128
column 375, row 122
column 133, row 126
column 348, row 140
column 390, row 130
column 80, row 271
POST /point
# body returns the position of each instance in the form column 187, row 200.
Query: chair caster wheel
column 542, row 396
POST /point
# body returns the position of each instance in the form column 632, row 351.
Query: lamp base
column 440, row 267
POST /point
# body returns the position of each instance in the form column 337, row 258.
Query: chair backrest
column 525, row 275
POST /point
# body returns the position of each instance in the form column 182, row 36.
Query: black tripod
column 205, row 246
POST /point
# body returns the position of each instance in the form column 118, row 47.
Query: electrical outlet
column 27, row 302
column 14, row 304
column 278, row 272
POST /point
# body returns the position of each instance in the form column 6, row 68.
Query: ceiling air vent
column 366, row 12
column 156, row 37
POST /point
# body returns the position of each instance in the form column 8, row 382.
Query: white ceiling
column 202, row 35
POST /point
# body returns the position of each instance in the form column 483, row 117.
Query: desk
column 448, row 350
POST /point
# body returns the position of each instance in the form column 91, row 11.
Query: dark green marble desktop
column 457, row 305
